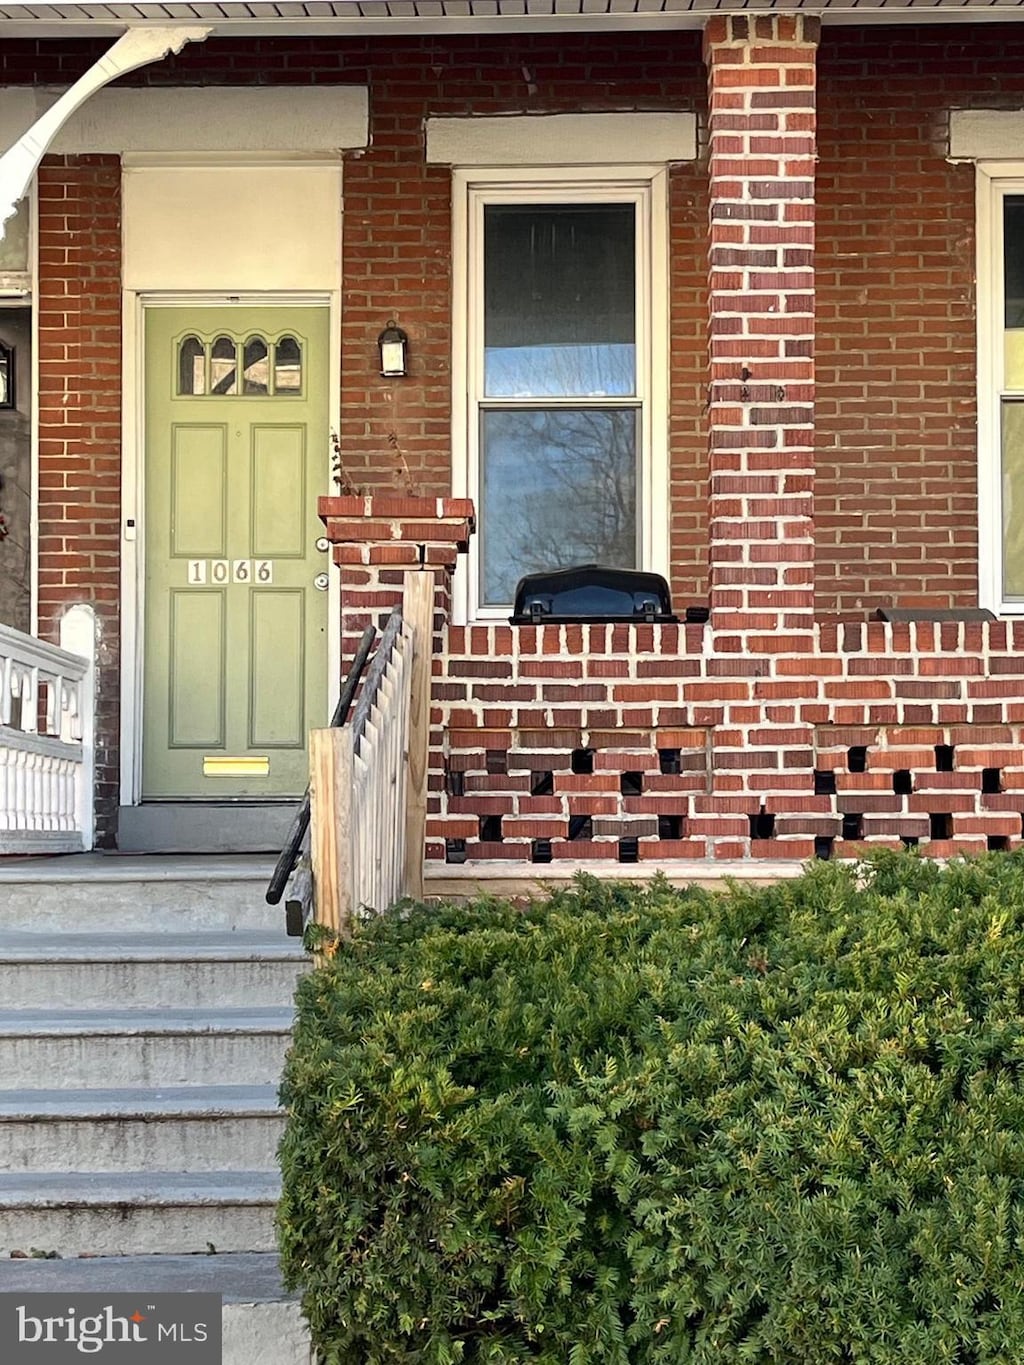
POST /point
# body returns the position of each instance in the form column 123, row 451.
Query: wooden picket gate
column 368, row 779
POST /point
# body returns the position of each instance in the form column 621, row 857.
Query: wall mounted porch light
column 394, row 350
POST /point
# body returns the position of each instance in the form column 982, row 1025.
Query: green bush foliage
column 782, row 1126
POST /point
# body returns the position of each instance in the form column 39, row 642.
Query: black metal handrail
column 293, row 845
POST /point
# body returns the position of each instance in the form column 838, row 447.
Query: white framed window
column 1000, row 208
column 560, row 371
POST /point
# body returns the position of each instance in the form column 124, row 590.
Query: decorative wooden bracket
column 137, row 47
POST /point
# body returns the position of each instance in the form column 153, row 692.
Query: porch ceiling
column 312, row 17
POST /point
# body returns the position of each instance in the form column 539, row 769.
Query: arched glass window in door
column 224, row 367
column 191, row 367
column 255, row 365
column 265, row 367
column 287, row 366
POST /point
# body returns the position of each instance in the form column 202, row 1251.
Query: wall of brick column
column 377, row 541
column 761, row 131
column 79, row 321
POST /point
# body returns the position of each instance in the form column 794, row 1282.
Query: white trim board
column 284, row 118
column 232, row 229
column 561, row 139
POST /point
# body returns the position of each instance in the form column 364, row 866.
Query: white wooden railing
column 368, row 778
column 46, row 738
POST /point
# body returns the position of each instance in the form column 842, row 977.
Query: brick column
column 78, row 315
column 377, row 539
column 761, row 87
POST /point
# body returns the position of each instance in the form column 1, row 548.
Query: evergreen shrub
column 781, row 1126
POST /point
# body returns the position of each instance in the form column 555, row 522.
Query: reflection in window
column 1013, row 498
column 558, row 488
column 191, row 366
column 223, row 367
column 1013, row 291
column 254, row 366
column 559, row 300
column 287, row 366
column 221, row 379
column 14, row 253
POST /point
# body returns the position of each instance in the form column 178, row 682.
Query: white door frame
column 133, row 500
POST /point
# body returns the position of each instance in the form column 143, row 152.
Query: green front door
column 235, row 665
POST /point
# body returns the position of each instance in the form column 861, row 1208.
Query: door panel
column 279, row 507
column 199, row 491
column 278, row 634
column 198, row 652
column 235, row 632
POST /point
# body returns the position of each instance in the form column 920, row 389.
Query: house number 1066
column 203, row 571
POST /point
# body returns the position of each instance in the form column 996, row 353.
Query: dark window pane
column 287, row 366
column 191, row 367
column 254, row 366
column 559, row 300
column 557, row 488
column 1013, row 259
column 223, row 367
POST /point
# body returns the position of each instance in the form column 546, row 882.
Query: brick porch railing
column 642, row 743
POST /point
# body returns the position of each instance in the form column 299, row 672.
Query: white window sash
column 646, row 188
column 994, row 182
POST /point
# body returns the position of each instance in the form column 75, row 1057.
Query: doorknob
column 321, row 581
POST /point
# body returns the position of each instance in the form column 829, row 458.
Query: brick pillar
column 78, row 314
column 761, row 86
column 377, row 539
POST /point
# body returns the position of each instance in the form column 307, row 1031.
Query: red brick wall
column 632, row 743
column 397, row 244
column 397, row 228
column 79, row 320
column 896, row 488
column 896, row 484
column 629, row 743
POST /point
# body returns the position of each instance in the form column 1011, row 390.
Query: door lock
column 323, row 544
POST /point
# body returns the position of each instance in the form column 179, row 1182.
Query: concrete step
column 123, row 1048
column 108, row 892
column 262, row 1323
column 38, row 971
column 189, row 1128
column 117, row 1213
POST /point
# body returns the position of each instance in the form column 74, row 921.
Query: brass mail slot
column 236, row 767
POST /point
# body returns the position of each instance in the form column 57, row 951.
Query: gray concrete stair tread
column 240, row 1277
column 170, row 1101
column 240, row 945
column 46, row 1023
column 77, row 1189
column 81, row 868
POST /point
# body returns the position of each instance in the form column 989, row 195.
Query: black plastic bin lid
column 591, row 592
